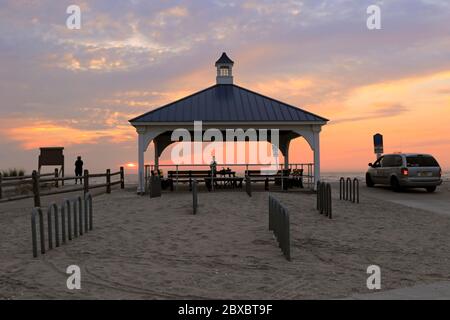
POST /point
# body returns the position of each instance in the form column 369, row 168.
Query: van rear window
column 421, row 161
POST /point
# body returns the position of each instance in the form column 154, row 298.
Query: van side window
column 388, row 161
column 398, row 161
column 421, row 161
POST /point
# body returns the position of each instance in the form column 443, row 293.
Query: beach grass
column 13, row 172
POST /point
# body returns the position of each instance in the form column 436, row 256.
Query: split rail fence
column 36, row 181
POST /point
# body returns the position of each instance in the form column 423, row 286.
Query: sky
column 79, row 88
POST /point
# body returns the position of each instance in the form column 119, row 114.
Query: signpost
column 378, row 144
column 52, row 157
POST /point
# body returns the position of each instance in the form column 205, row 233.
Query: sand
column 144, row 248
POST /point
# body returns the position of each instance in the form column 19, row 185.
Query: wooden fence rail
column 36, row 182
column 25, row 177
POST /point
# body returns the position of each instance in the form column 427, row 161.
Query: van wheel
column 369, row 181
column 395, row 185
column 431, row 189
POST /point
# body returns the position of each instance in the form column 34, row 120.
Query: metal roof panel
column 225, row 102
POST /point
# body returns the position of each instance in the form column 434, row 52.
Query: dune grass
column 13, row 173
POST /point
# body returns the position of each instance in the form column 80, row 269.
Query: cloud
column 45, row 133
column 378, row 113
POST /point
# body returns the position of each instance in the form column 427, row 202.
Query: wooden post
column 36, row 189
column 108, row 181
column 86, row 181
column 122, row 178
column 1, row 191
column 56, row 178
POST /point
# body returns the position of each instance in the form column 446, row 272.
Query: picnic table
column 222, row 179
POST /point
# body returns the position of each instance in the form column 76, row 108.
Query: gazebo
column 227, row 106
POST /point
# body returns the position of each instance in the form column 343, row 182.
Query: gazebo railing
column 308, row 170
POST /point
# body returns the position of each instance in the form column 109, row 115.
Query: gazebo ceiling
column 227, row 103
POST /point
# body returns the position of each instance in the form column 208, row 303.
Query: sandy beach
column 144, row 248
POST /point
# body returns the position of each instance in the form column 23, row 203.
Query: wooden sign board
column 51, row 157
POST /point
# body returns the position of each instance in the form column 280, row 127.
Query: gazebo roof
column 227, row 103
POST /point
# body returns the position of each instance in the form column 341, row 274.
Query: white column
column 286, row 155
column 316, row 157
column 156, row 154
column 141, row 165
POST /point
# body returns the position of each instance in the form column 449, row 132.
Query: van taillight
column 405, row 171
column 440, row 172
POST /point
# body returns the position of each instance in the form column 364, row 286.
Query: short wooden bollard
column 108, row 181
column 36, row 189
column 54, row 237
column 318, row 197
column 53, row 208
column 122, row 178
column 75, row 219
column 280, row 225
column 86, row 181
column 66, row 209
column 56, row 178
column 355, row 190
column 348, row 189
column 341, row 188
column 194, row 196
column 34, row 213
column 79, row 210
column 248, row 185
column 324, row 199
column 88, row 220
column 329, row 210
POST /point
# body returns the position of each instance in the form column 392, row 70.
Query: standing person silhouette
column 78, row 169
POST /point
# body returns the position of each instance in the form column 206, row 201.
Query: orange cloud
column 48, row 133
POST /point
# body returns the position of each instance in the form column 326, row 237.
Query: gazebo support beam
column 316, row 158
column 141, row 164
column 157, row 154
column 284, row 148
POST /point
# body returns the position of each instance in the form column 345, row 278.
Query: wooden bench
column 186, row 176
column 262, row 176
column 297, row 178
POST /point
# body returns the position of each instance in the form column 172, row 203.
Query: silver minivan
column 405, row 170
